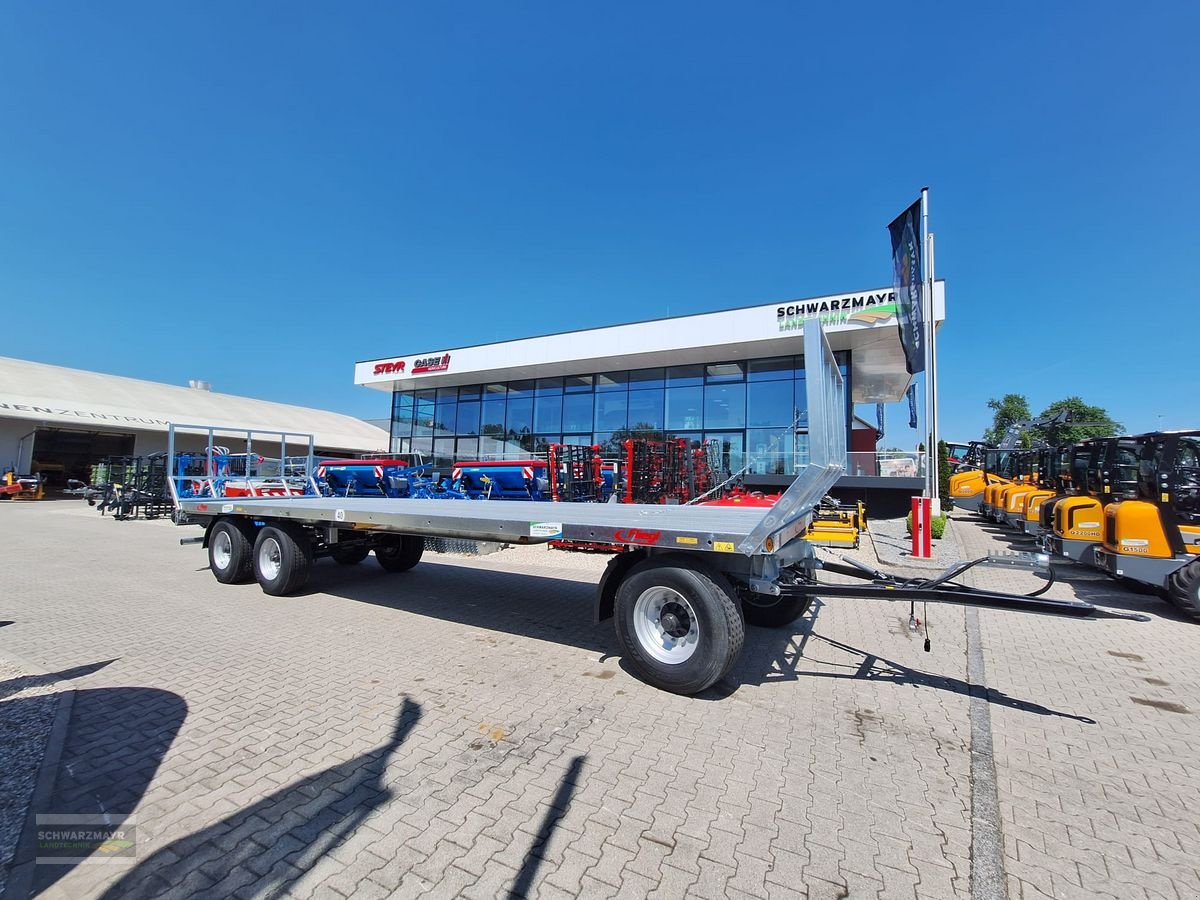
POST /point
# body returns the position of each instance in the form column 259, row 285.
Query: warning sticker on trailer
column 723, row 546
column 545, row 529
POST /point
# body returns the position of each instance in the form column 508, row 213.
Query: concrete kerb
column 20, row 878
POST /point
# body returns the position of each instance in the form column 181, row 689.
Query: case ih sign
column 431, row 364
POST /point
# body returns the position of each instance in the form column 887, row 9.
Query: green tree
column 1010, row 409
column 1093, row 421
column 944, row 472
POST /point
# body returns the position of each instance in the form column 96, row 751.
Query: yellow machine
column 1079, row 520
column 1055, row 480
column 1010, row 498
column 837, row 525
column 22, row 487
column 1153, row 537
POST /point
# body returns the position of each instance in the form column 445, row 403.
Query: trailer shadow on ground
column 780, row 655
column 523, row 604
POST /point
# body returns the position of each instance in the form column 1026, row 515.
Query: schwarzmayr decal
column 866, row 309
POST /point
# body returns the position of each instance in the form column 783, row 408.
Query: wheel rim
column 666, row 626
column 270, row 559
column 222, row 550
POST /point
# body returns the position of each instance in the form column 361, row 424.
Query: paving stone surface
column 465, row 730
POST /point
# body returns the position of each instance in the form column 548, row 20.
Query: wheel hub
column 665, row 625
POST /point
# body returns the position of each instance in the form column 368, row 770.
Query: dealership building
column 57, row 421
column 736, row 376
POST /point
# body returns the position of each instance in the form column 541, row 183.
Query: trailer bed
column 711, row 528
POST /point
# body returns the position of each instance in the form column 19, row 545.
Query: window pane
column 645, row 378
column 467, row 449
column 646, row 409
column 492, row 421
column 684, row 407
column 611, row 411
column 492, row 391
column 547, row 386
column 719, row 373
column 520, row 388
column 446, row 419
column 678, row 376
column 577, row 412
column 801, row 401
column 779, row 367
column 423, row 416
column 578, row 384
column 542, row 442
column 547, row 414
column 443, row 456
column 769, row 403
column 577, row 440
column 731, row 449
column 444, row 394
column 468, row 417
column 612, row 381
column 609, row 449
column 470, row 392
column 520, row 415
column 724, row 406
column 770, row 451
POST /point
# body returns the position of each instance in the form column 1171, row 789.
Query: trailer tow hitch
column 942, row 588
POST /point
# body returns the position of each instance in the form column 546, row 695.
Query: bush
column 937, row 525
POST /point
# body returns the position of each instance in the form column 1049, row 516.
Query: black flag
column 908, row 283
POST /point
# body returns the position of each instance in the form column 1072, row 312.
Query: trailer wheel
column 399, row 552
column 1185, row 589
column 349, row 556
column 230, row 554
column 765, row 611
column 281, row 562
column 679, row 625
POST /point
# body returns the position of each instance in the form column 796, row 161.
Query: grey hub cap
column 270, row 559
column 222, row 550
column 665, row 625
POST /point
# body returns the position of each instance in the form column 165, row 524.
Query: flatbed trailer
column 681, row 592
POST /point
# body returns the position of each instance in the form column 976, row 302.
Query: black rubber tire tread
column 399, row 552
column 241, row 560
column 784, row 611
column 1184, row 588
column 349, row 556
column 722, row 628
column 295, row 560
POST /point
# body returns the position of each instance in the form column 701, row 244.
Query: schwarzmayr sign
column 865, row 309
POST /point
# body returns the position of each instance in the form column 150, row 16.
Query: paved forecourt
column 464, row 730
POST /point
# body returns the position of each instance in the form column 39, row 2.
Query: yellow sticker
column 723, row 546
column 687, row 540
column 1166, row 498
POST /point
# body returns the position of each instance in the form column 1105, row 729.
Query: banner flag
column 908, row 283
column 879, row 417
column 912, row 406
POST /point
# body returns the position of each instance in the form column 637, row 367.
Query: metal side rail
column 943, row 589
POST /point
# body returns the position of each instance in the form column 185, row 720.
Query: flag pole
column 932, row 460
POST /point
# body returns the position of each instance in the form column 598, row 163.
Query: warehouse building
column 58, row 422
column 736, row 376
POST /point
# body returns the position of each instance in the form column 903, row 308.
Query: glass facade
column 748, row 405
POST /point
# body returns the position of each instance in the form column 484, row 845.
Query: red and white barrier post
column 922, row 537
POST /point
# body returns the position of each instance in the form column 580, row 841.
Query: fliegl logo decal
column 637, row 536
column 431, row 364
column 396, row 367
column 859, row 309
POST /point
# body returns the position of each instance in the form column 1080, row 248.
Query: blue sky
column 260, row 194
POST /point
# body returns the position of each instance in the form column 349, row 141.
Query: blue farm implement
column 503, row 479
column 397, row 478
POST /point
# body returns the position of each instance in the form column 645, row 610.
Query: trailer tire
column 282, row 558
column 765, row 611
column 349, row 556
column 1184, row 588
column 680, row 626
column 399, row 552
column 230, row 554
